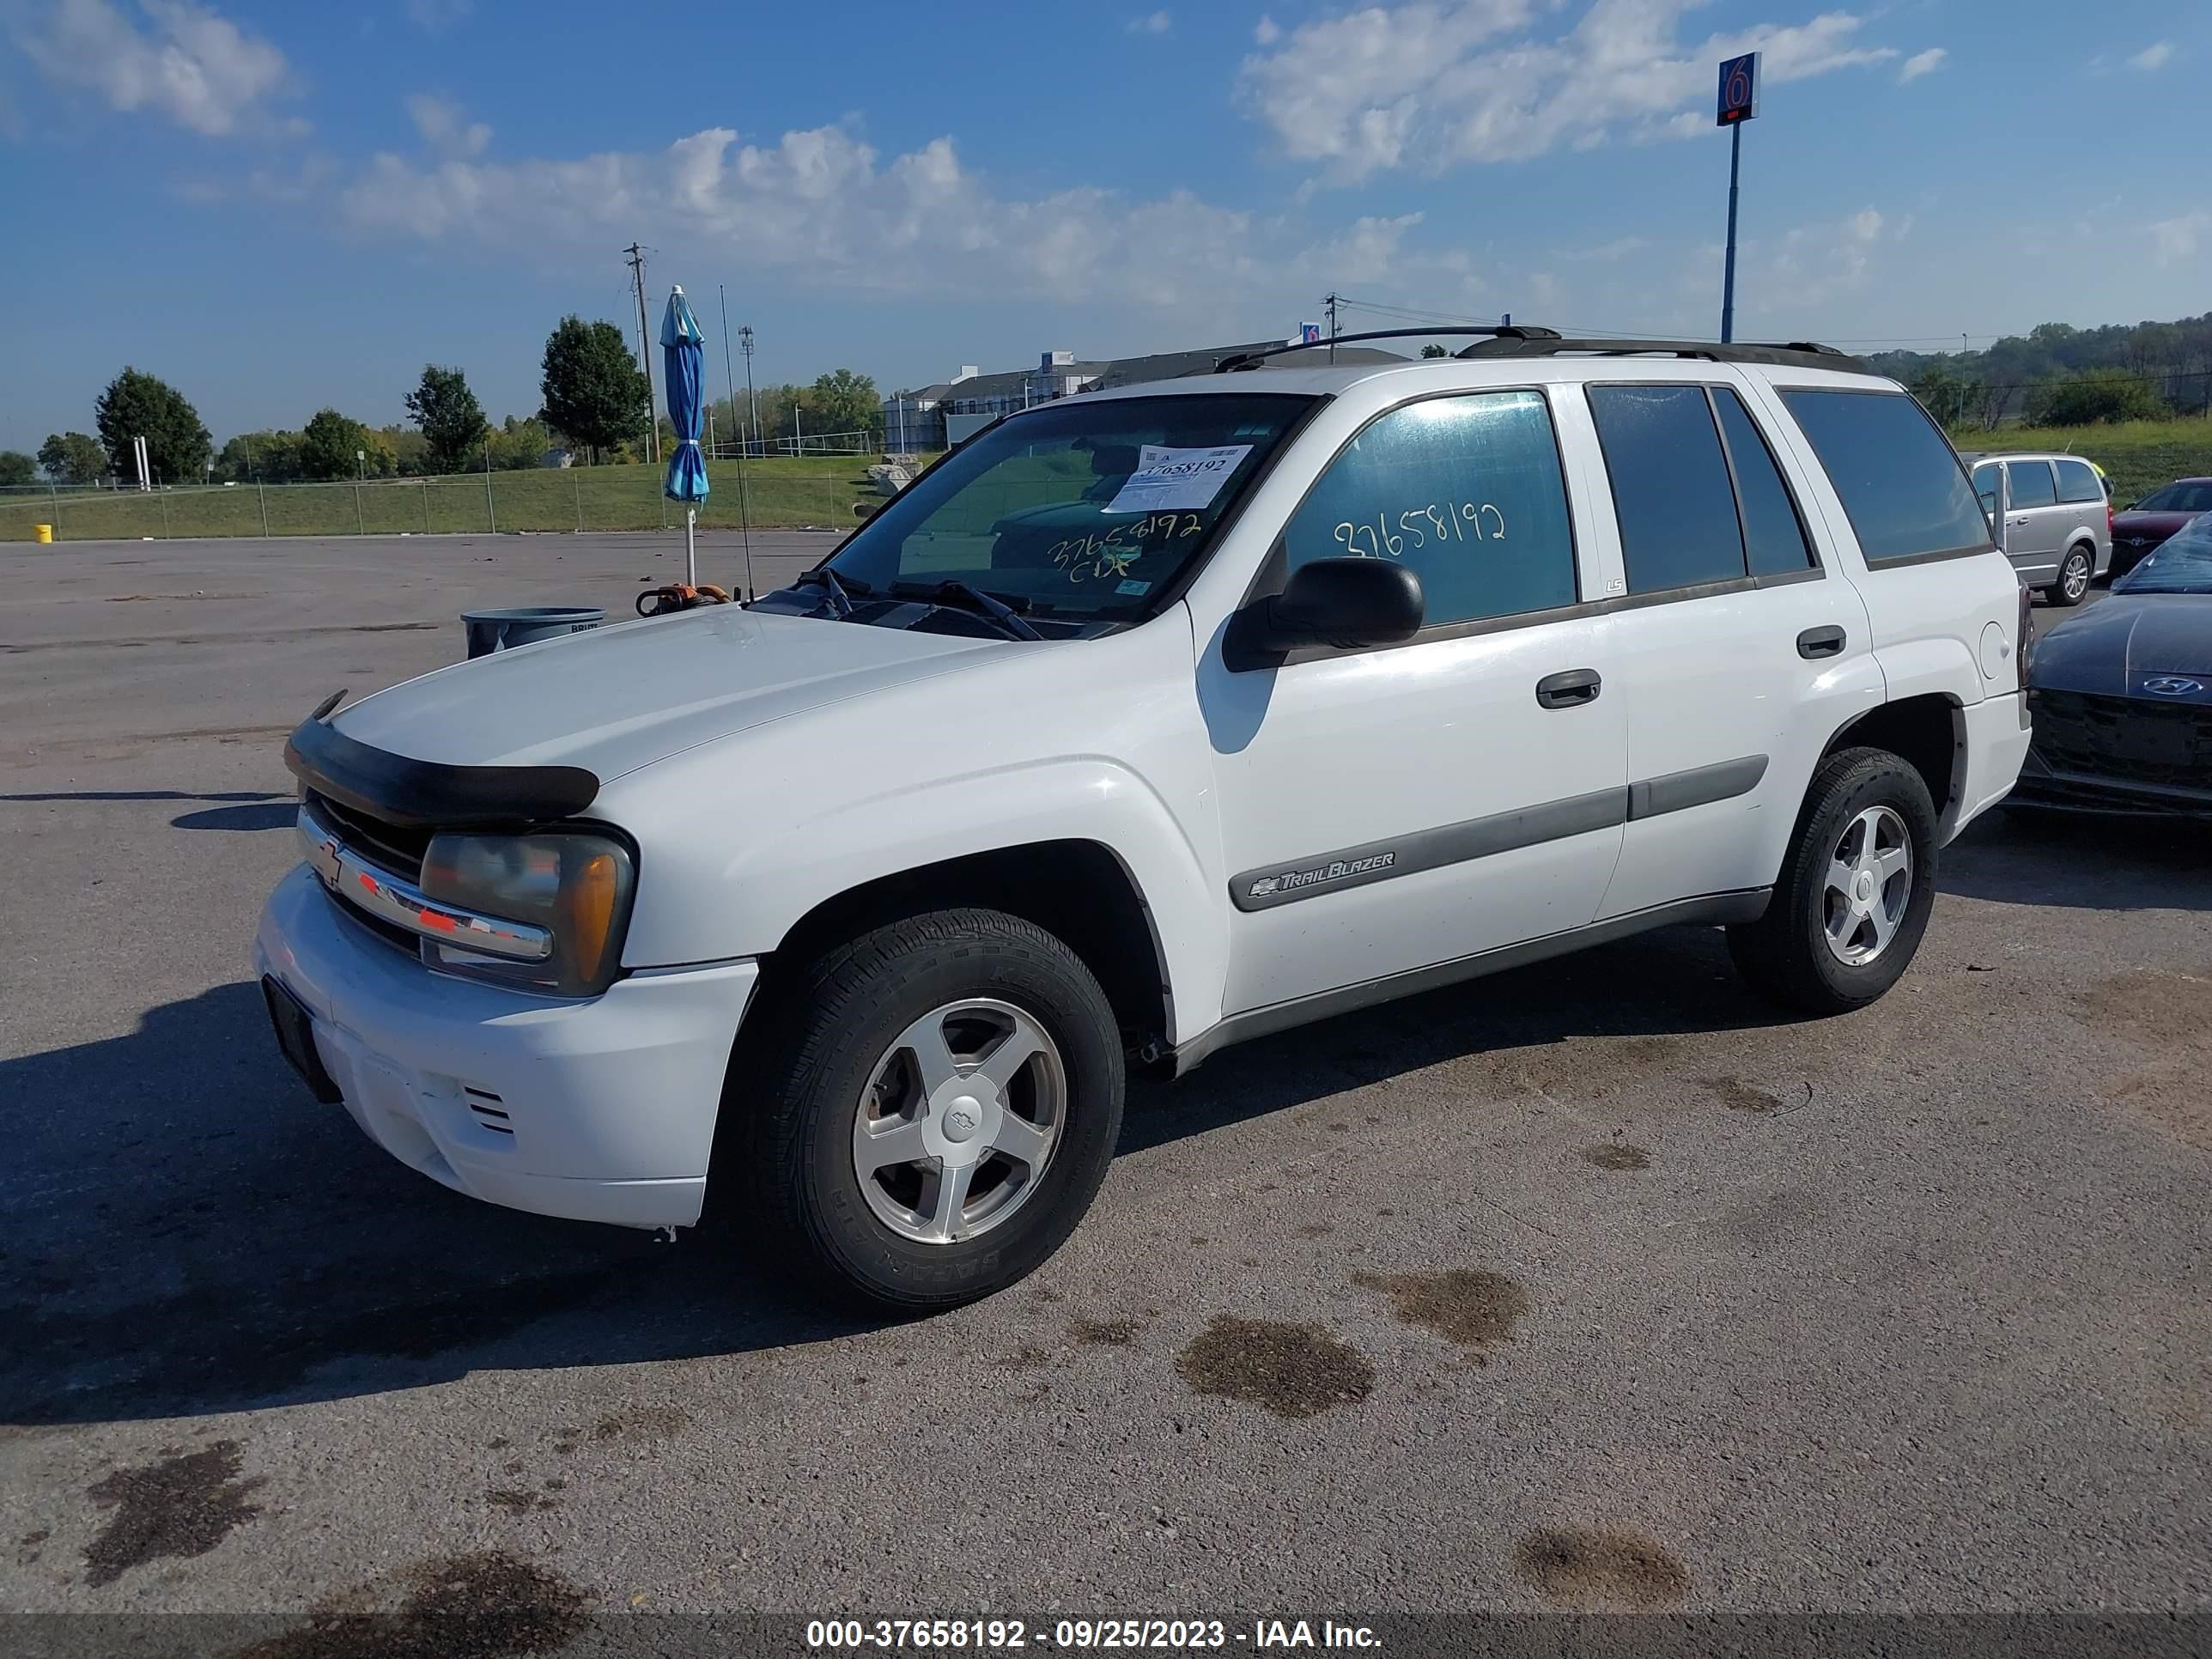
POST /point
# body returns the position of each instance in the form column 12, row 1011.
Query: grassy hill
column 781, row 492
column 2138, row 456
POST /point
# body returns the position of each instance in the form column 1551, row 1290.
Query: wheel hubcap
column 2077, row 577
column 960, row 1118
column 1868, row 886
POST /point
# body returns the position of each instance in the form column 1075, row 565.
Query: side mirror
column 1350, row 605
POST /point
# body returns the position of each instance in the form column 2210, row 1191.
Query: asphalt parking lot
column 1596, row 1285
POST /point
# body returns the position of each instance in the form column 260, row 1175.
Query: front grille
column 2128, row 739
column 396, row 847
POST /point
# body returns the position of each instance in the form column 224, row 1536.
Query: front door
column 1387, row 810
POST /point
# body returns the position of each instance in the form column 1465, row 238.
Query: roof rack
column 1512, row 331
column 1528, row 340
column 1794, row 354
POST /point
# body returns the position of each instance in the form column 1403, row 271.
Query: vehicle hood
column 615, row 699
column 2153, row 526
column 2148, row 645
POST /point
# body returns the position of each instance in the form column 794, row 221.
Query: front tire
column 2072, row 585
column 1855, row 893
column 935, row 1110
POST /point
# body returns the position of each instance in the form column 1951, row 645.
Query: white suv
column 1142, row 723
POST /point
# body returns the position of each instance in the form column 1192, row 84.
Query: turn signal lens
column 576, row 885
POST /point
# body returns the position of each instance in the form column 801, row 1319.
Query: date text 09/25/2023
column 1085, row 1634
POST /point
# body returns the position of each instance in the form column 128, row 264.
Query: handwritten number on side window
column 1441, row 521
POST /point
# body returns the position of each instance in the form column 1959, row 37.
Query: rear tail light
column 2023, row 641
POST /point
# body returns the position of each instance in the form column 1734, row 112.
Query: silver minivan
column 2051, row 516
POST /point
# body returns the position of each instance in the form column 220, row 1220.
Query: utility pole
column 752, row 397
column 744, row 506
column 1330, row 302
column 645, row 351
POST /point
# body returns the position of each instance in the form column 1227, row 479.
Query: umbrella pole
column 691, row 546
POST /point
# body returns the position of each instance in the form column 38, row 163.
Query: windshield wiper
column 839, row 590
column 970, row 599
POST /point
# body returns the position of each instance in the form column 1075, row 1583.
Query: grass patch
column 2138, row 456
column 781, row 493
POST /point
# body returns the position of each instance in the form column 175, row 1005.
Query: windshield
column 1080, row 512
column 2194, row 495
column 2180, row 564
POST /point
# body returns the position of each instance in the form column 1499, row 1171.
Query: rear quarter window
column 1896, row 475
column 2077, row 482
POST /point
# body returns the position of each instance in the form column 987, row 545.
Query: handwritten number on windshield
column 1088, row 557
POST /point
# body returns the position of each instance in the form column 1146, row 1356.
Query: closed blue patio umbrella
column 683, row 353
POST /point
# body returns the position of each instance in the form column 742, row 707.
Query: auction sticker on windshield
column 1167, row 479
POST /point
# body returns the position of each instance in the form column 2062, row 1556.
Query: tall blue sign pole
column 1739, row 102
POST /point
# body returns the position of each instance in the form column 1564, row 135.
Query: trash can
column 42, row 532
column 525, row 624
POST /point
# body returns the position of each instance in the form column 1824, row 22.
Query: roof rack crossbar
column 1514, row 332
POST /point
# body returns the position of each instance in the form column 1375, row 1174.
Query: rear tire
column 2075, row 572
column 884, row 1046
column 1848, row 911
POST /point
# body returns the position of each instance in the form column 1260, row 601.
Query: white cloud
column 440, row 122
column 1608, row 253
column 2153, row 57
column 1444, row 82
column 1267, row 31
column 191, row 65
column 1151, row 22
column 821, row 206
column 438, row 15
column 1812, row 263
column 1920, row 63
column 2177, row 238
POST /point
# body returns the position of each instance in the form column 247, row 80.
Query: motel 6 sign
column 1738, row 99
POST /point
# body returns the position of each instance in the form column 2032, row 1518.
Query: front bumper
column 2042, row 784
column 599, row 1110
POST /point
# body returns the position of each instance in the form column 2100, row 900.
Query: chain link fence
column 816, row 492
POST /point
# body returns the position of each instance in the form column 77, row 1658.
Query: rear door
column 2031, row 516
column 1736, row 650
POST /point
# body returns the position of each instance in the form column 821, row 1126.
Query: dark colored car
column 2121, row 696
column 2156, row 516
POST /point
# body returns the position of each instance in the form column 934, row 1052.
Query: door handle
column 2021, row 519
column 1820, row 642
column 1568, row 688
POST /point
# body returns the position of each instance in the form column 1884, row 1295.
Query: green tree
column 2096, row 395
column 1944, row 395
column 521, row 443
column 268, row 457
column 841, row 401
column 16, row 470
column 452, row 419
column 331, row 443
column 137, row 405
column 595, row 393
column 1434, row 351
column 71, row 458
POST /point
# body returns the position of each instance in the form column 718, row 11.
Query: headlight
column 578, row 886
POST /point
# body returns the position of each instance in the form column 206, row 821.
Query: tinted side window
column 2031, row 484
column 1670, row 486
column 1465, row 492
column 1898, row 478
column 2077, row 482
column 1772, row 537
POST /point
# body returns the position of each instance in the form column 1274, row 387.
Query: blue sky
column 279, row 206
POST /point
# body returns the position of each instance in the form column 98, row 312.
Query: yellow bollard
column 42, row 532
